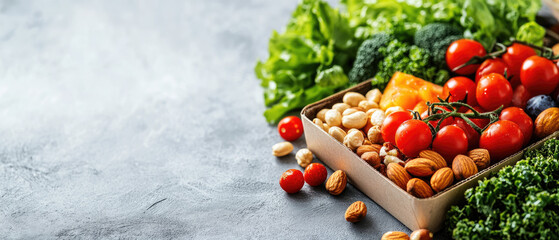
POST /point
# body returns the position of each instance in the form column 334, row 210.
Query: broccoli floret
column 436, row 37
column 368, row 57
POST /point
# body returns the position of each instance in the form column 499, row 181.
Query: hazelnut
column 481, row 158
column 371, row 158
column 353, row 98
column 421, row 234
column 374, row 135
column 304, row 157
column 354, row 139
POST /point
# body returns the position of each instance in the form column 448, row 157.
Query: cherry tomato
column 315, row 174
column 492, row 91
column 524, row 122
column 290, row 128
column 460, row 52
column 449, row 142
column 480, row 122
column 412, row 137
column 501, row 139
column 471, row 133
column 520, row 96
column 292, row 181
column 391, row 124
column 491, row 65
column 514, row 57
column 460, row 87
column 539, row 75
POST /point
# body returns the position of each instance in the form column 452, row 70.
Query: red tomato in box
column 460, row 87
column 471, row 133
column 493, row 91
column 520, row 96
column 391, row 124
column 449, row 142
column 491, row 65
column 460, row 52
column 524, row 122
column 514, row 57
column 539, row 75
column 502, row 139
column 412, row 137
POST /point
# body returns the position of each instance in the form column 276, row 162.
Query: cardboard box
column 413, row 212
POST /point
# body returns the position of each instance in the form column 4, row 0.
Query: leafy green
column 318, row 46
column 521, row 202
column 368, row 58
column 531, row 32
column 410, row 59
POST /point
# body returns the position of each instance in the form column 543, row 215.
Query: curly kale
column 368, row 57
column 520, row 202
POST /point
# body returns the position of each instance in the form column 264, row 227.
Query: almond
column 546, row 123
column 363, row 149
column 481, row 158
column 441, row 179
column 371, row 158
column 395, row 235
column 398, row 175
column 336, row 183
column 355, row 212
column 421, row 234
column 421, row 167
column 435, row 156
column 419, row 188
column 463, row 167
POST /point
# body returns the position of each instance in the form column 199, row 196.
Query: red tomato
column 520, row 96
column 539, row 75
column 501, row 139
column 391, row 124
column 524, row 122
column 290, row 128
column 492, row 91
column 460, row 87
column 491, row 65
column 315, row 174
column 514, row 57
column 434, row 123
column 412, row 137
column 292, row 181
column 471, row 133
column 480, row 122
column 460, row 52
column 449, row 142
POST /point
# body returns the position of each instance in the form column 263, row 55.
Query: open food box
column 413, row 212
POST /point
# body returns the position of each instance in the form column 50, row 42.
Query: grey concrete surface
column 142, row 120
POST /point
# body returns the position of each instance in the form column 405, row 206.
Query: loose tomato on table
column 449, row 142
column 315, row 174
column 290, row 128
column 412, row 137
column 502, row 139
column 460, row 87
column 492, row 65
column 292, row 181
column 493, row 91
column 391, row 123
column 539, row 75
column 524, row 122
column 461, row 51
column 514, row 57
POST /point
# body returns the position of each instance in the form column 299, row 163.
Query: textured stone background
column 142, row 119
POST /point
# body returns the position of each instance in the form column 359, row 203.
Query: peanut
column 281, row 149
column 353, row 98
column 333, row 118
